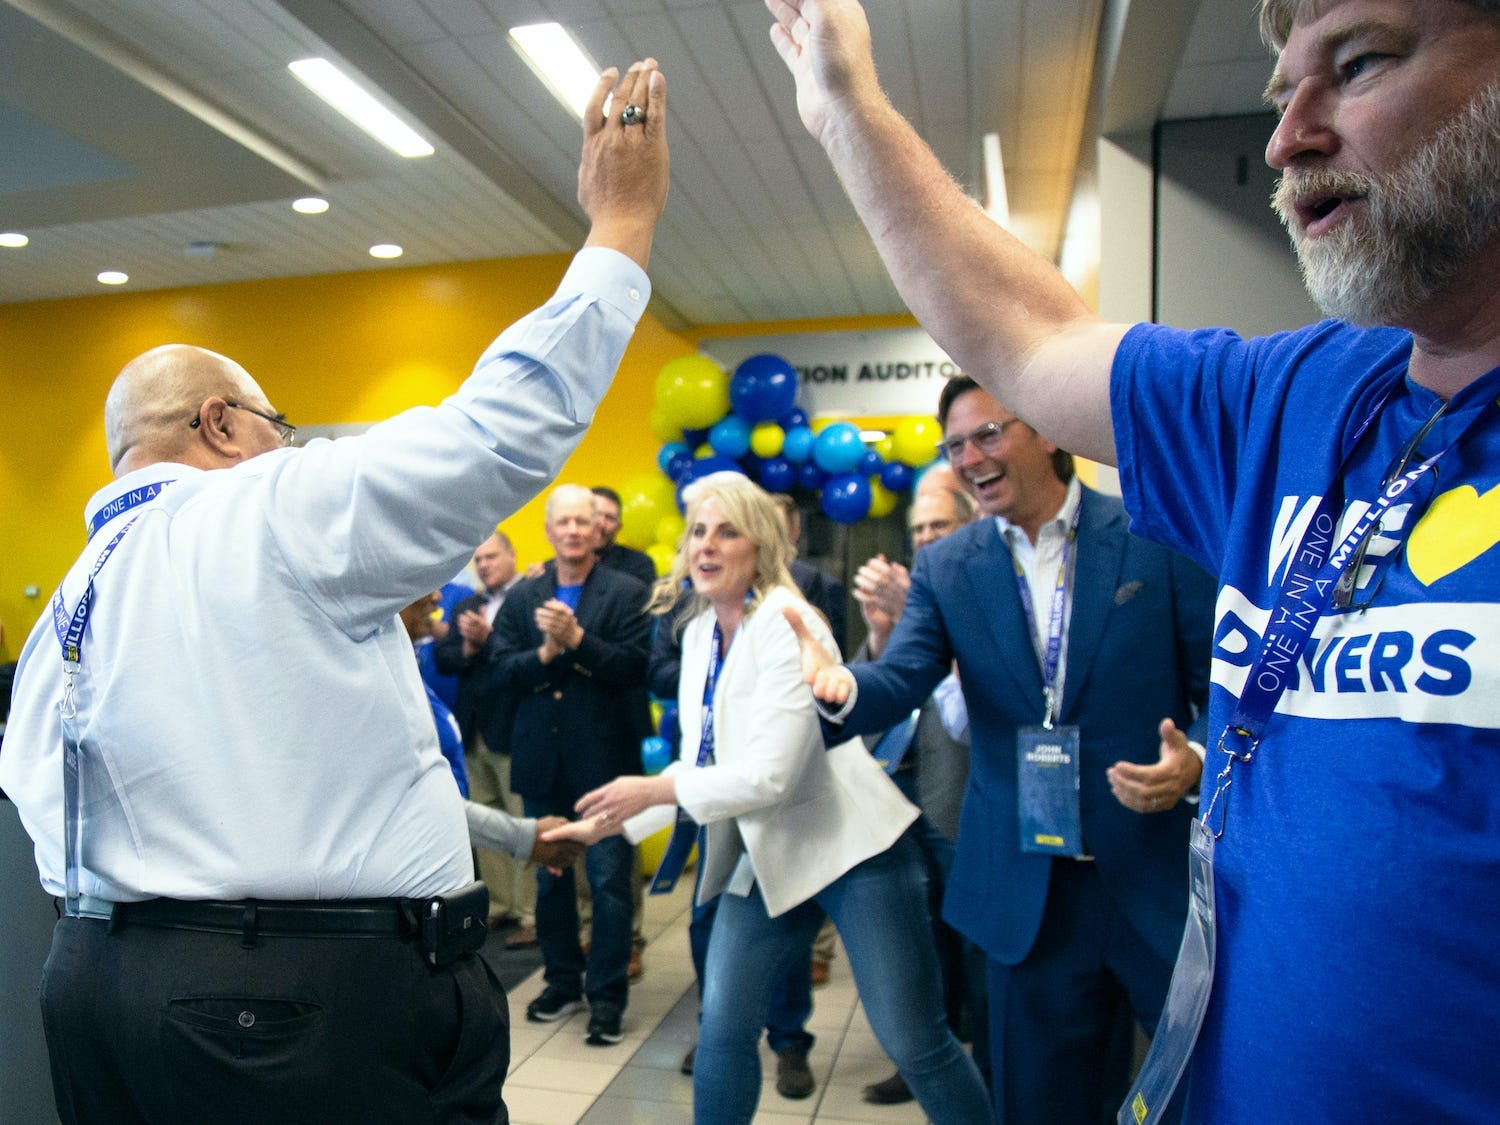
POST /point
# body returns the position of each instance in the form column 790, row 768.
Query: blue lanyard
column 1051, row 656
column 710, row 686
column 124, row 503
column 70, row 630
column 1312, row 576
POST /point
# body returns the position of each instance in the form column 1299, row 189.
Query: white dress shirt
column 252, row 721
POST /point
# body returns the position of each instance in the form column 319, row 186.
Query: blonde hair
column 750, row 509
column 1278, row 16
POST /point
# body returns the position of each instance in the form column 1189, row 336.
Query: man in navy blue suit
column 1084, row 656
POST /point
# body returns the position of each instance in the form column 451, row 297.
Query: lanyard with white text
column 685, row 831
column 1051, row 656
column 70, row 630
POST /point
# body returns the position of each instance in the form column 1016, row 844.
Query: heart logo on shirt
column 1458, row 527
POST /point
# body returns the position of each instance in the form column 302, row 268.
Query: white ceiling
column 132, row 128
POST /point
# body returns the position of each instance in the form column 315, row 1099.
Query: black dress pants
column 173, row 1027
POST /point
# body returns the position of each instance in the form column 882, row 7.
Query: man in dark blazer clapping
column 572, row 650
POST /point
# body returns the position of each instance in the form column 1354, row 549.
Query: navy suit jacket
column 1138, row 652
column 576, row 724
column 483, row 708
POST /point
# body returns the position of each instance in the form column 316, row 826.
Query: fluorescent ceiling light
column 996, row 201
column 13, row 239
column 386, row 250
column 113, row 277
column 359, row 106
column 310, row 205
column 558, row 61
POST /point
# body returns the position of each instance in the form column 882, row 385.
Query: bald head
column 150, row 407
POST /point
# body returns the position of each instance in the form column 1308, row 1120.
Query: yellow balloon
column 661, row 557
column 766, row 439
column 653, row 848
column 669, row 530
column 644, row 499
column 655, row 715
column 663, row 426
column 882, row 499
column 693, row 391
column 916, row 440
column 704, row 450
column 886, row 447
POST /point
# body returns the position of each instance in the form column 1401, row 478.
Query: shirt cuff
column 610, row 276
column 843, row 712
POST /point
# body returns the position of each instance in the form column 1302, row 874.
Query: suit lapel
column 992, row 582
column 1101, row 553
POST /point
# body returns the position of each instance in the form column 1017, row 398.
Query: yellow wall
column 332, row 349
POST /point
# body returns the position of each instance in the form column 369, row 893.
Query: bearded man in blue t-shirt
column 1343, row 481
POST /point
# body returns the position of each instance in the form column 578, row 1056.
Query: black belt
column 251, row 917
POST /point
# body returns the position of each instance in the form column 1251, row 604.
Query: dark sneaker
column 604, row 1026
column 793, row 1078
column 687, row 1059
column 889, row 1091
column 552, row 1004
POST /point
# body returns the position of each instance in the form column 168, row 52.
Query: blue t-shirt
column 1358, row 877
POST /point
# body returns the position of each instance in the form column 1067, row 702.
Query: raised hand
column 622, row 178
column 831, row 681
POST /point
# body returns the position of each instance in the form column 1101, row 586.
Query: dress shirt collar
column 1063, row 517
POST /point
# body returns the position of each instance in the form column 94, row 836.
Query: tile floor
column 557, row 1079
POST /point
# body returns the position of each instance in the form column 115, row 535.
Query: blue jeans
column 609, row 866
column 791, row 1000
column 880, row 909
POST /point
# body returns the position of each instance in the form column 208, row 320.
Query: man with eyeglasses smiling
column 1083, row 653
column 221, row 745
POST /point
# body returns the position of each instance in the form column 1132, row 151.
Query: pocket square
column 1124, row 593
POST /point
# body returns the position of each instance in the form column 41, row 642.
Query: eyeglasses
column 285, row 431
column 986, row 439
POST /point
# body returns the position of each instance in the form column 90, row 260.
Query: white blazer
column 803, row 815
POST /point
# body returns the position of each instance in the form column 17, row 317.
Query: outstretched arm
column 1004, row 314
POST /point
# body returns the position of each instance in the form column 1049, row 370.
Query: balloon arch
column 749, row 422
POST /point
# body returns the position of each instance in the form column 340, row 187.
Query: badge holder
column 1047, row 790
column 1187, row 996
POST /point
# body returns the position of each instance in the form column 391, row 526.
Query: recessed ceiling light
column 13, row 239
column 113, row 277
column 359, row 106
column 559, row 61
column 386, row 250
column 310, row 205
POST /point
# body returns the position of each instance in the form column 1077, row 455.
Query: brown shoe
column 819, row 973
column 889, row 1091
column 635, row 970
column 523, row 938
column 793, row 1078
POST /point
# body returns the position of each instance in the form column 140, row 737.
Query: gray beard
column 1423, row 223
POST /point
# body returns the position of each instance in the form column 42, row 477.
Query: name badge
column 1187, row 996
column 674, row 859
column 1047, row 787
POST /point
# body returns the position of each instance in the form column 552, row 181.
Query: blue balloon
column 669, row 451
column 667, row 727
column 777, row 474
column 871, row 464
column 896, row 476
column 810, row 476
column 680, row 466
column 838, row 448
column 656, row 752
column 730, row 436
column 793, row 418
column 846, row 498
column 798, row 444
column 763, row 388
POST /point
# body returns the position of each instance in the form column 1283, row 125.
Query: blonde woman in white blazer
column 792, row 830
